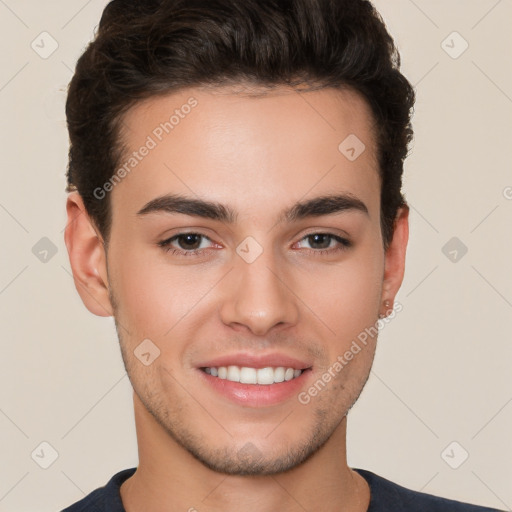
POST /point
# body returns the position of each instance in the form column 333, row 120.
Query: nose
column 259, row 296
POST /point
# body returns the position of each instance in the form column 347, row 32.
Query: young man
column 235, row 203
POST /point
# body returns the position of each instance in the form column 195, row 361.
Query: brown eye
column 321, row 240
column 322, row 243
column 189, row 241
column 185, row 244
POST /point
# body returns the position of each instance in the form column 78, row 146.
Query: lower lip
column 256, row 395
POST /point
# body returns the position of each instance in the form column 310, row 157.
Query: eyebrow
column 315, row 207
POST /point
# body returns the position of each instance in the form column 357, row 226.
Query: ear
column 394, row 263
column 87, row 257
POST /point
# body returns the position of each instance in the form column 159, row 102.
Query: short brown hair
column 145, row 48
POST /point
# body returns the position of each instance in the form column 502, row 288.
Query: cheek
column 346, row 295
column 157, row 299
column 154, row 297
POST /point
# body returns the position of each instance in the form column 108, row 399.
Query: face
column 244, row 260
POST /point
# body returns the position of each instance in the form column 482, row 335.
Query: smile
column 248, row 375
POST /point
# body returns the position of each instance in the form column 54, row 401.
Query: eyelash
column 166, row 244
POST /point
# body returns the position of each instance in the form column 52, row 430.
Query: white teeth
column 266, row 376
column 233, row 373
column 279, row 374
column 247, row 375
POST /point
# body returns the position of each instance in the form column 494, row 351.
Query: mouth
column 255, row 380
column 248, row 375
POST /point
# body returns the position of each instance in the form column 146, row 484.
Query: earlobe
column 87, row 257
column 394, row 265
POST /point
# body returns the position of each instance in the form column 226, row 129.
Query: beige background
column 442, row 371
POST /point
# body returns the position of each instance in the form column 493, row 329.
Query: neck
column 168, row 477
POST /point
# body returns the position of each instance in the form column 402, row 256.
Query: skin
column 257, row 155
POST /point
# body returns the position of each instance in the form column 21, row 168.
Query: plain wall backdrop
column 441, row 385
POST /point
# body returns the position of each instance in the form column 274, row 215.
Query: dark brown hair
column 145, row 48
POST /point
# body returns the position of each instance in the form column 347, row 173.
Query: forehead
column 247, row 149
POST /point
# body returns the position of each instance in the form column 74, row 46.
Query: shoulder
column 388, row 496
column 103, row 499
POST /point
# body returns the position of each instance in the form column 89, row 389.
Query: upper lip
column 256, row 361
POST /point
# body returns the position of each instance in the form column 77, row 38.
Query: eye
column 189, row 244
column 322, row 243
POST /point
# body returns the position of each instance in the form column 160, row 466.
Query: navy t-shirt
column 386, row 496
